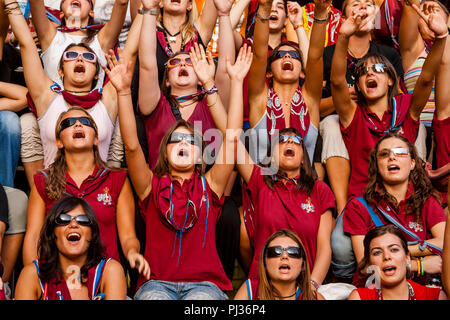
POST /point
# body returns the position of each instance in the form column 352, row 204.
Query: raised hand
column 295, row 13
column 204, row 67
column 360, row 21
column 433, row 19
column 240, row 68
column 120, row 72
column 223, row 6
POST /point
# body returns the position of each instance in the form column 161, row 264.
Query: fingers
column 420, row 13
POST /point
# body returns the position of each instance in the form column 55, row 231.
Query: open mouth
column 78, row 135
column 284, row 268
column 183, row 153
column 176, row 1
column 79, row 68
column 73, row 237
column 393, row 168
column 273, row 17
column 75, row 5
column 287, row 66
column 371, row 84
column 389, row 271
column 289, row 152
column 183, row 73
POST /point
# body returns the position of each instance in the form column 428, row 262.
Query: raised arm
column 12, row 97
column 344, row 105
column 35, row 77
column 237, row 11
column 4, row 24
column 257, row 87
column 425, row 83
column 226, row 49
column 446, row 252
column 226, row 158
column 294, row 29
column 120, row 75
column 109, row 34
column 312, row 88
column 410, row 40
column 207, row 21
column 45, row 30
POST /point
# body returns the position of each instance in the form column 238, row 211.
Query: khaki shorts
column 17, row 213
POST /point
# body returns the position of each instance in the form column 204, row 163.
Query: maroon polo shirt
column 286, row 208
column 441, row 130
column 186, row 257
column 360, row 140
column 420, row 292
column 101, row 190
column 162, row 118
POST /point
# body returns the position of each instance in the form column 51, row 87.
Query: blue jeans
column 166, row 290
column 9, row 146
column 343, row 262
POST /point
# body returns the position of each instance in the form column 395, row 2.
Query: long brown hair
column 266, row 290
column 307, row 177
column 162, row 164
column 375, row 191
column 55, row 184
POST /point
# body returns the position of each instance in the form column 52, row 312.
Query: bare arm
column 323, row 251
column 28, row 287
column 114, row 285
column 4, row 24
column 446, row 252
column 437, row 239
column 442, row 82
column 425, row 82
column 237, row 11
column 410, row 40
column 12, row 97
column 149, row 91
column 45, row 30
column 294, row 29
column 207, row 20
column 257, row 87
column 242, row 293
column 108, row 35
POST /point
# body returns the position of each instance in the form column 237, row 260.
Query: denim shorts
column 166, row 290
column 343, row 263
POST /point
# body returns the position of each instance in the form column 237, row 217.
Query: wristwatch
column 153, row 12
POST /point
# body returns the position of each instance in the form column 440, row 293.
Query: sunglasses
column 285, row 137
column 277, row 251
column 175, row 62
column 292, row 53
column 68, row 122
column 398, row 152
column 377, row 68
column 176, row 137
column 73, row 55
column 64, row 219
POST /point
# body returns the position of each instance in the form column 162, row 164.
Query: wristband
column 444, row 35
column 211, row 91
column 153, row 12
column 322, row 20
column 422, row 272
column 298, row 26
column 261, row 18
column 315, row 284
column 418, row 267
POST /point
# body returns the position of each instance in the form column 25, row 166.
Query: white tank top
column 52, row 56
column 47, row 124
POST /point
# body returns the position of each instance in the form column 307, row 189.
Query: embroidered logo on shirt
column 415, row 226
column 308, row 206
column 105, row 197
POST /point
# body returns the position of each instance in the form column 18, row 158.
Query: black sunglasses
column 68, row 122
column 281, row 53
column 64, row 219
column 176, row 137
column 277, row 251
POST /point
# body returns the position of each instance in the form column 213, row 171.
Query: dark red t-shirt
column 360, row 140
column 441, row 130
column 101, row 190
column 286, row 208
column 162, row 118
column 186, row 257
column 420, row 292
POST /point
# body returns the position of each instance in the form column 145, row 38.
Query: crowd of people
column 164, row 142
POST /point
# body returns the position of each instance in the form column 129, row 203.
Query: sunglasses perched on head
column 377, row 68
column 64, row 219
column 176, row 137
column 175, row 62
column 285, row 137
column 68, row 122
column 292, row 53
column 73, row 55
column 397, row 152
column 277, row 251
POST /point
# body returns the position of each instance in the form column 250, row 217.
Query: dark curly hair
column 375, row 190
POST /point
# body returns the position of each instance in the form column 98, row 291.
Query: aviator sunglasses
column 64, row 219
column 398, row 152
column 377, row 68
column 68, row 122
column 176, row 137
column 277, row 251
column 175, row 62
column 73, row 55
column 285, row 137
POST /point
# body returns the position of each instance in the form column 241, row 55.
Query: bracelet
column 422, row 272
column 211, row 91
column 418, row 267
column 444, row 35
column 9, row 40
column 153, row 12
column 261, row 18
column 315, row 284
column 298, row 26
column 322, row 20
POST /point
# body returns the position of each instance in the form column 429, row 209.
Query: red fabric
column 197, row 260
column 421, row 292
column 162, row 118
column 360, row 140
column 102, row 193
column 333, row 26
column 286, row 207
column 2, row 294
column 441, row 130
column 381, row 33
